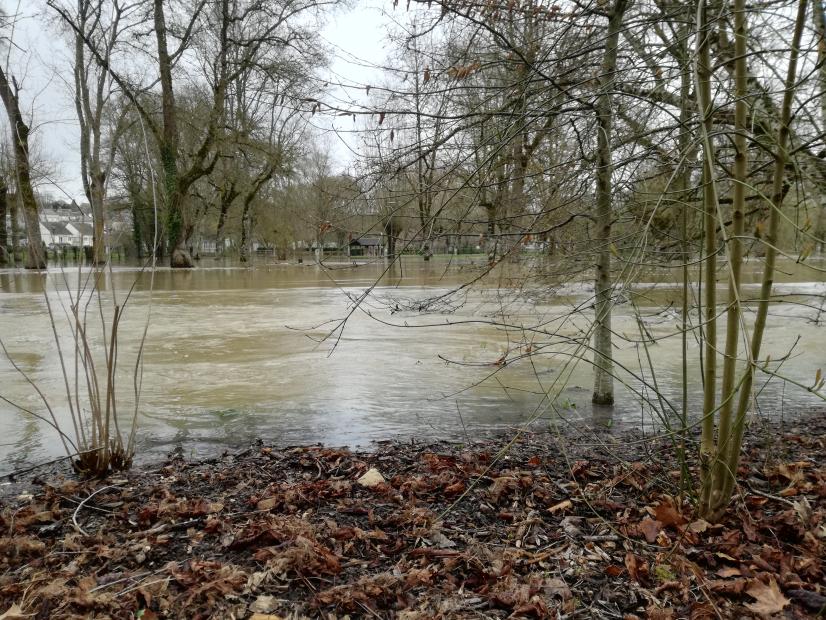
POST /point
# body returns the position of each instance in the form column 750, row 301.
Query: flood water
column 235, row 353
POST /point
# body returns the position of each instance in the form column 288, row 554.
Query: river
column 235, row 353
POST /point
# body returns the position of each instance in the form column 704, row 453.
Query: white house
column 55, row 233
column 83, row 233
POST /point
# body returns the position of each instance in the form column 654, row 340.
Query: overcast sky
column 41, row 61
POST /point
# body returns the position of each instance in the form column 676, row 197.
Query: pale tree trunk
column 820, row 31
column 15, row 229
column 603, row 214
column 703, row 89
column 90, row 119
column 20, row 139
column 4, row 236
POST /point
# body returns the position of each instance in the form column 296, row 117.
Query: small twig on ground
column 776, row 498
column 103, row 586
column 166, row 526
column 83, row 502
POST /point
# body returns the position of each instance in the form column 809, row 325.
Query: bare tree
column 10, row 94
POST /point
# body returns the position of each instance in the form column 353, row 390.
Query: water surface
column 281, row 352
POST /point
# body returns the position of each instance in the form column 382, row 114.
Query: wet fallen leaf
column 268, row 503
column 727, row 586
column 613, row 570
column 769, row 599
column 637, row 568
column 667, row 514
column 657, row 613
column 728, row 571
column 650, row 529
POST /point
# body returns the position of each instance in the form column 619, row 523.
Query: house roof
column 56, row 228
column 83, row 228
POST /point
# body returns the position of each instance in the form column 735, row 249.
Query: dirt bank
column 570, row 526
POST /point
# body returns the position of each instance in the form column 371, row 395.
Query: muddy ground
column 561, row 524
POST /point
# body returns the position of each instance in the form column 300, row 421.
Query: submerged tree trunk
column 96, row 202
column 137, row 230
column 20, row 139
column 603, row 215
column 244, row 250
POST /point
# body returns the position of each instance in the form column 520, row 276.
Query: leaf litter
column 598, row 529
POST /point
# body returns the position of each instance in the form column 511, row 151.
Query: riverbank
column 574, row 525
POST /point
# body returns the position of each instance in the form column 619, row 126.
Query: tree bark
column 603, row 214
column 4, row 236
column 15, row 229
column 704, row 100
column 20, row 139
column 819, row 16
column 734, row 447
column 244, row 249
column 173, row 198
column 730, row 386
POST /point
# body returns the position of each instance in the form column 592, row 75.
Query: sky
column 41, row 60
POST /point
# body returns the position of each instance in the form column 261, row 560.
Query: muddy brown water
column 236, row 353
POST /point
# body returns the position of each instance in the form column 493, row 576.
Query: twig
column 141, row 585
column 777, row 498
column 83, row 502
column 166, row 526
column 121, row 580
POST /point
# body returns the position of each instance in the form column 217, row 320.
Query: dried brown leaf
column 769, row 599
column 15, row 613
column 650, row 529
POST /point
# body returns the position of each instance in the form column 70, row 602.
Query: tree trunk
column 781, row 156
column 244, row 250
column 173, row 198
column 390, row 233
column 703, row 89
column 15, row 229
column 820, row 31
column 4, row 237
column 96, row 202
column 603, row 215
column 20, row 139
column 735, row 260
column 227, row 197
column 137, row 229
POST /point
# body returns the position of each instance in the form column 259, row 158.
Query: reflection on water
column 236, row 353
